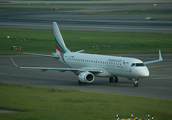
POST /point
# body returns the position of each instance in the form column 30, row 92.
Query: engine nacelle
column 86, row 77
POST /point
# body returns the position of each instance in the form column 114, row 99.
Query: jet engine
column 86, row 77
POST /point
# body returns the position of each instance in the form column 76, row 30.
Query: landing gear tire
column 113, row 79
column 136, row 84
column 116, row 80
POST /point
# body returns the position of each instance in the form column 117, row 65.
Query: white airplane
column 89, row 66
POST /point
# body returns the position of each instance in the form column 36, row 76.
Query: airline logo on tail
column 60, row 45
column 59, row 48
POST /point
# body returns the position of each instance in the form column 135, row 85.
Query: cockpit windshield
column 137, row 65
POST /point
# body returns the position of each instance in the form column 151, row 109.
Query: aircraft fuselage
column 110, row 65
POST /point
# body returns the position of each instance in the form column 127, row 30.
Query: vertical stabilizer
column 60, row 45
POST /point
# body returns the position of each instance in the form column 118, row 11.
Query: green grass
column 39, row 103
column 42, row 41
column 64, row 0
column 22, row 8
column 25, row 8
column 76, row 4
column 4, row 2
column 132, row 12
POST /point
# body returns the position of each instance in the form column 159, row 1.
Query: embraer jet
column 89, row 66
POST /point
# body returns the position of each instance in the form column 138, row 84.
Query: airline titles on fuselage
column 110, row 62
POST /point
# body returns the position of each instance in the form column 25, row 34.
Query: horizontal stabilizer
column 79, row 51
column 54, row 55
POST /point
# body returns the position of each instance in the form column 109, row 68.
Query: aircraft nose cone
column 144, row 72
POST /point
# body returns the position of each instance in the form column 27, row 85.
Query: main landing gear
column 79, row 82
column 135, row 82
column 113, row 79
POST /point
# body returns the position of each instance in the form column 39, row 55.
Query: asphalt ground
column 43, row 20
column 157, row 85
column 93, row 2
column 78, row 20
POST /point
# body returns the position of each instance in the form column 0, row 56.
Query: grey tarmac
column 157, row 85
column 93, row 2
column 78, row 20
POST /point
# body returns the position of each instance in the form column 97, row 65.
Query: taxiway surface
column 79, row 20
column 157, row 85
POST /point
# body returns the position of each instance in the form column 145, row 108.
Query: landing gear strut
column 113, row 79
column 136, row 83
column 79, row 82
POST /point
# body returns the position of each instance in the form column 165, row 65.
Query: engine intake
column 86, row 77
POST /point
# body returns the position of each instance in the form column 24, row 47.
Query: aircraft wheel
column 111, row 79
column 136, row 84
column 116, row 79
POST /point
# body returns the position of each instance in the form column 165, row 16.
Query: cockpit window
column 133, row 65
column 137, row 65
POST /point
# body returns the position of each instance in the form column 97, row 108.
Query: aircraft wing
column 160, row 59
column 60, row 69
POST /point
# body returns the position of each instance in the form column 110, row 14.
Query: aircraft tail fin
column 59, row 42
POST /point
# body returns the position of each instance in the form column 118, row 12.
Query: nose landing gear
column 135, row 82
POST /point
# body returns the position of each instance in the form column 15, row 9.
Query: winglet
column 160, row 56
column 14, row 62
column 159, row 60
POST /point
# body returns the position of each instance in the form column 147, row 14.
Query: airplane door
column 126, row 66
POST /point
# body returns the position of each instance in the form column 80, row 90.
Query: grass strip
column 64, row 0
column 22, row 8
column 33, row 8
column 132, row 12
column 39, row 103
column 2, row 2
column 42, row 41
column 84, row 4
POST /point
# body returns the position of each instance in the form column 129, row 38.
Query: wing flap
column 93, row 70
